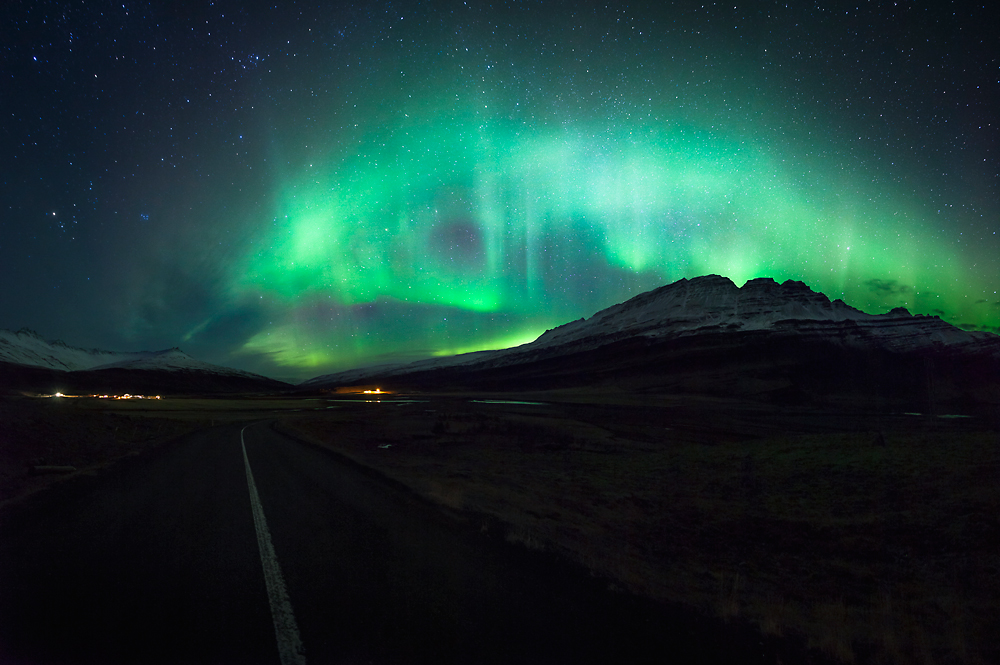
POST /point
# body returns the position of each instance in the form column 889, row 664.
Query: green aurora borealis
column 296, row 192
column 544, row 224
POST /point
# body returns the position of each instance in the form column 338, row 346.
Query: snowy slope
column 26, row 347
column 172, row 360
column 714, row 304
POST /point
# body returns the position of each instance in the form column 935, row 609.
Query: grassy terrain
column 874, row 538
column 89, row 433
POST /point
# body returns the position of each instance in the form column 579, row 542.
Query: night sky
column 300, row 187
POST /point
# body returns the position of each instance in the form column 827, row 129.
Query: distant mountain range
column 780, row 342
column 30, row 362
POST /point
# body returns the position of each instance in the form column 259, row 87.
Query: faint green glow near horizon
column 446, row 211
column 505, row 342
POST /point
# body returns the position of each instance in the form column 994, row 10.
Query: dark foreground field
column 874, row 537
column 864, row 537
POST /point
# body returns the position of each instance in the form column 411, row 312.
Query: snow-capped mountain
column 27, row 359
column 26, row 347
column 712, row 305
column 171, row 360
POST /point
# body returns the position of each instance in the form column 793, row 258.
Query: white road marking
column 285, row 629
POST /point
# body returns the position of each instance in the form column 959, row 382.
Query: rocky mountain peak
column 714, row 303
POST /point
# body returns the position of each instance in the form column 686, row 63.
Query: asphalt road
column 158, row 560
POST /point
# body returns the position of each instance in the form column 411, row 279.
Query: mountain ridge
column 760, row 304
column 707, row 310
column 29, row 361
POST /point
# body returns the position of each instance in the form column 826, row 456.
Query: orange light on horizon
column 124, row 396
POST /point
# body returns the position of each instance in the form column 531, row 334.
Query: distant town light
column 123, row 396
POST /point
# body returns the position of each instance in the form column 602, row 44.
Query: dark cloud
column 981, row 328
column 229, row 330
column 887, row 287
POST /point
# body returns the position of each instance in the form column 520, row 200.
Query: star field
column 295, row 188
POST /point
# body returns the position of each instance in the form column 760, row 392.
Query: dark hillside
column 761, row 365
column 17, row 378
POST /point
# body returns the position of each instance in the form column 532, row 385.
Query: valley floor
column 874, row 537
column 869, row 537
